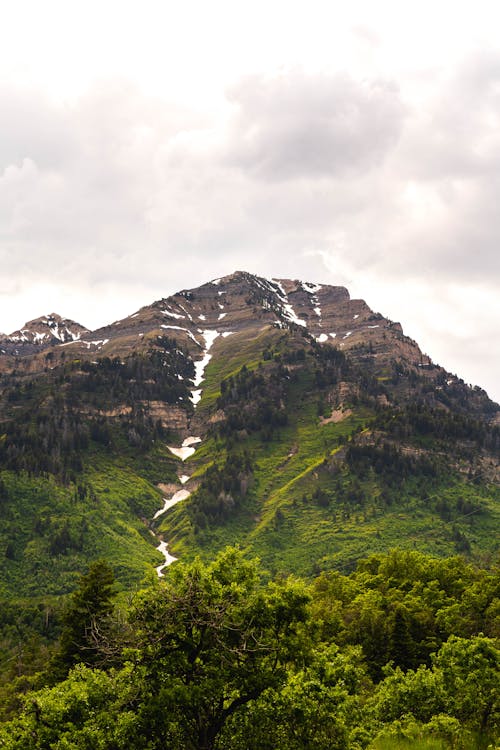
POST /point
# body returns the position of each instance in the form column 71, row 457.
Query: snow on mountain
column 41, row 333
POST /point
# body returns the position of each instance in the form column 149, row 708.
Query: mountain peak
column 40, row 333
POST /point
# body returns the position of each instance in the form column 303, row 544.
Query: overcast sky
column 147, row 147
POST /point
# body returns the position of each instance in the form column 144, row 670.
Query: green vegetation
column 50, row 531
column 401, row 653
column 80, row 458
column 316, row 461
column 334, row 474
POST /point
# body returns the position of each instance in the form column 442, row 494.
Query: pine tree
column 88, row 609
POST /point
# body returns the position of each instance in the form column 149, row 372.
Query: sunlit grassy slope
column 295, row 516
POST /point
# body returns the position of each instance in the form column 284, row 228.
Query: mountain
column 41, row 333
column 276, row 414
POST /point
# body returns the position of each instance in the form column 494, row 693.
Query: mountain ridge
column 326, row 312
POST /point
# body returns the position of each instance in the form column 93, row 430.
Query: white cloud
column 312, row 126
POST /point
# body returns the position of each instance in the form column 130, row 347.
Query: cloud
column 446, row 169
column 300, row 125
column 33, row 127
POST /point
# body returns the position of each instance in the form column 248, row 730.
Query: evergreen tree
column 88, row 609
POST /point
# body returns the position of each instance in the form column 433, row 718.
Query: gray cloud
column 449, row 157
column 32, row 127
column 297, row 125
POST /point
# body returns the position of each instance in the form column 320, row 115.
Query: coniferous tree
column 89, row 607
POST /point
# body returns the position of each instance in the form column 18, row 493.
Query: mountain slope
column 277, row 414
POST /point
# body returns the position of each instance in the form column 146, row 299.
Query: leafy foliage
column 218, row 656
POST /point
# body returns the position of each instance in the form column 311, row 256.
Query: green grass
column 232, row 353
column 110, row 521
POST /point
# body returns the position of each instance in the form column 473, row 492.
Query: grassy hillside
column 331, row 480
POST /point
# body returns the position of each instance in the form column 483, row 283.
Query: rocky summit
column 40, row 334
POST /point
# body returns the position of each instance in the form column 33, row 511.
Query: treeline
column 160, row 376
column 402, row 653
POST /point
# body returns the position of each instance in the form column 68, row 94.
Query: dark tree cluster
column 58, row 419
column 45, row 443
column 221, row 491
column 108, row 382
column 254, row 401
column 440, row 424
column 331, row 365
column 389, row 462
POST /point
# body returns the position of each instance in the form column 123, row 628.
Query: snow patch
column 184, row 478
column 178, row 328
column 355, row 317
column 169, row 559
column 280, row 286
column 222, row 315
column 191, row 441
column 200, row 366
column 171, row 501
column 377, row 326
column 173, row 315
column 317, row 310
column 182, row 453
column 184, row 310
column 347, row 334
column 310, row 288
column 99, row 343
column 226, row 334
column 201, row 317
column 292, row 316
column 322, row 338
column 288, row 310
column 333, row 335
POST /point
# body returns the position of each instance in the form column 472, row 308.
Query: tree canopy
column 217, row 656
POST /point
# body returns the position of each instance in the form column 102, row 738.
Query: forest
column 400, row 653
